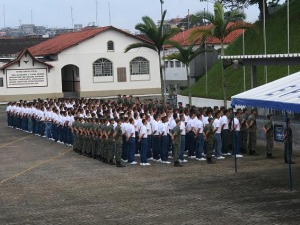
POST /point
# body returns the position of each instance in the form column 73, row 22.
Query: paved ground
column 42, row 182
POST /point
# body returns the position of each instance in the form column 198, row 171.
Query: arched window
column 139, row 66
column 110, row 46
column 102, row 68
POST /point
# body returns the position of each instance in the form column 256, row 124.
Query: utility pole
column 96, row 13
column 72, row 20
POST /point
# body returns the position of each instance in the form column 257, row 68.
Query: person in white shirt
column 236, row 128
column 190, row 144
column 163, row 128
column 149, row 136
column 224, row 131
column 124, row 126
column 143, row 136
column 156, row 137
column 130, row 132
column 199, row 137
column 182, row 142
column 217, row 135
column 48, row 123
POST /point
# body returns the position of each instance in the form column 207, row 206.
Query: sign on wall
column 278, row 132
column 23, row 78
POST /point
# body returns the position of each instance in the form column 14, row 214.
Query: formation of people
column 118, row 131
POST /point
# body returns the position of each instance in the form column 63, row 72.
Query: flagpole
column 288, row 31
column 163, row 49
column 265, row 37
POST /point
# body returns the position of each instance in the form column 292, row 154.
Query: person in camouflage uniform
column 288, row 143
column 75, row 134
column 209, row 138
column 79, row 128
column 252, row 133
column 110, row 142
column 93, row 131
column 269, row 131
column 176, row 137
column 244, row 130
column 104, row 141
column 118, row 143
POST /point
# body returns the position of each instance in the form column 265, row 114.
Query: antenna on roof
column 109, row 14
column 72, row 19
column 96, row 13
column 4, row 15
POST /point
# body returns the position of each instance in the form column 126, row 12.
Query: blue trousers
column 199, row 146
column 182, row 147
column 144, row 150
column 131, row 149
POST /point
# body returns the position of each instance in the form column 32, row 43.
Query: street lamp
column 163, row 49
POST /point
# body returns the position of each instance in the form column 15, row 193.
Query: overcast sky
column 125, row 14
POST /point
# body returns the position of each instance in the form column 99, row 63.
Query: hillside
column 276, row 30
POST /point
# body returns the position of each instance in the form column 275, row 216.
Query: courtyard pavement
column 42, row 182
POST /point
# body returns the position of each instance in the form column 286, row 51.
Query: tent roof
column 281, row 94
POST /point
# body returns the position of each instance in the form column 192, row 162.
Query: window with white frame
column 166, row 64
column 1, row 81
column 110, row 46
column 139, row 66
column 178, row 63
column 102, row 68
column 171, row 64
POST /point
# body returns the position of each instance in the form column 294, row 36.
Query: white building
column 88, row 63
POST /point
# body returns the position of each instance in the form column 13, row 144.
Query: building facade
column 88, row 63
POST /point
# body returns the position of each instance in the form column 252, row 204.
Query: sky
column 124, row 14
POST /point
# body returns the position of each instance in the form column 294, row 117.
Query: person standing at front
column 217, row 135
column 288, row 143
column 252, row 133
column 209, row 139
column 130, row 132
column 143, row 139
column 269, row 131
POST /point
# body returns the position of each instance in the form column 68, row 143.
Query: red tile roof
column 25, row 51
column 183, row 37
column 57, row 44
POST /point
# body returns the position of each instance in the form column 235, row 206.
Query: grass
column 276, row 33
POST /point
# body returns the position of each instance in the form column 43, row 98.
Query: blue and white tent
column 282, row 94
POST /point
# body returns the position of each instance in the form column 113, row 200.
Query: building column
column 253, row 76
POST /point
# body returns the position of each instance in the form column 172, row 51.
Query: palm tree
column 221, row 28
column 158, row 37
column 186, row 55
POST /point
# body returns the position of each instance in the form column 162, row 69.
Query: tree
column 158, row 37
column 186, row 55
column 221, row 28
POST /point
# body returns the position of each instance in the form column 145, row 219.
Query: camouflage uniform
column 244, row 133
column 118, row 143
column 110, row 144
column 252, row 135
column 209, row 132
column 269, row 137
column 176, row 142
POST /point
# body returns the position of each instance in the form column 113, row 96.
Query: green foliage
column 276, row 30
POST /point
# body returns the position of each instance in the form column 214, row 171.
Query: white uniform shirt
column 182, row 128
column 237, row 124
column 143, row 131
column 130, row 130
column 217, row 125
column 199, row 125
column 224, row 121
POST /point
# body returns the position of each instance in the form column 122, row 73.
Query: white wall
column 84, row 54
column 201, row 102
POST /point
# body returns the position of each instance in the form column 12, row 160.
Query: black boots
column 177, row 164
column 209, row 161
column 111, row 162
column 286, row 161
column 253, row 153
column 270, row 156
column 119, row 164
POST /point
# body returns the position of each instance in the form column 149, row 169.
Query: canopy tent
column 282, row 94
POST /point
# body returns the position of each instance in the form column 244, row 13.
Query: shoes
column 238, row 156
column 228, row 153
column 253, row 153
column 137, row 155
column 147, row 164
column 158, row 160
column 133, row 163
column 209, row 161
column 143, row 164
column 170, row 157
column 192, row 157
column 166, row 162
column 183, row 161
column 200, row 159
column 220, row 157
column 124, row 160
column 185, row 155
column 151, row 159
column 118, row 164
column 270, row 156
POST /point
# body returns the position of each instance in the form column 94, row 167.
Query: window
column 1, row 81
column 121, row 74
column 110, row 46
column 178, row 63
column 139, row 66
column 166, row 64
column 102, row 68
column 171, row 64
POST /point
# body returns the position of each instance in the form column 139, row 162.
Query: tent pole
column 235, row 161
column 288, row 152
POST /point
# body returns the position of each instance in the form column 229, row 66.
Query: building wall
column 86, row 53
column 83, row 56
column 50, row 87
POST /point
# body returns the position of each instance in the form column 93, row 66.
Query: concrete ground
column 42, row 182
